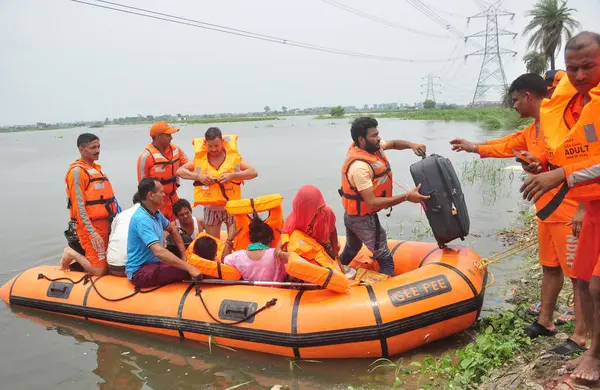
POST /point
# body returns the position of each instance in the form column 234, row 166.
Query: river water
column 46, row 351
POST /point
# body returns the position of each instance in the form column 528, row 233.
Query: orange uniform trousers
column 587, row 258
column 95, row 257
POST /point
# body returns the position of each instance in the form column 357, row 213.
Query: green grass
column 499, row 343
column 488, row 118
column 500, row 338
column 229, row 119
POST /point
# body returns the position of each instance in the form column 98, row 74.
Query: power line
column 247, row 34
column 419, row 5
column 441, row 11
column 383, row 21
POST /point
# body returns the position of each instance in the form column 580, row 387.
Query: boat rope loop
column 269, row 303
column 519, row 247
column 88, row 278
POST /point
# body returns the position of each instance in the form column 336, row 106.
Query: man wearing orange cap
column 160, row 160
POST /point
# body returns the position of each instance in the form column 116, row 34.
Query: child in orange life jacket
column 259, row 262
column 210, row 248
column 206, row 247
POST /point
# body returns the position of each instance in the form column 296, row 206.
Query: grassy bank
column 229, row 119
column 499, row 356
column 226, row 119
column 489, row 118
column 175, row 123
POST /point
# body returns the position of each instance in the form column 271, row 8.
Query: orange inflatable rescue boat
column 436, row 293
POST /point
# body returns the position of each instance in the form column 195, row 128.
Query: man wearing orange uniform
column 91, row 202
column 571, row 132
column 160, row 160
column 557, row 245
column 552, row 78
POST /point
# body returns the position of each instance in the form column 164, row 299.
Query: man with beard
column 91, row 203
column 367, row 189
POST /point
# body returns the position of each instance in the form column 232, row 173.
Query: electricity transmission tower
column 430, row 84
column 491, row 75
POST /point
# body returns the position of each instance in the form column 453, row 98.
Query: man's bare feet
column 572, row 364
column 588, row 369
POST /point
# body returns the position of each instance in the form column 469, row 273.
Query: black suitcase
column 446, row 210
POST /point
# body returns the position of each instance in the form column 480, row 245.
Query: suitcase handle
column 422, row 154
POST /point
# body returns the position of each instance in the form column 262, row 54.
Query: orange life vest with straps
column 217, row 194
column 573, row 145
column 99, row 198
column 164, row 169
column 382, row 180
column 213, row 268
column 307, row 247
column 243, row 209
column 311, row 263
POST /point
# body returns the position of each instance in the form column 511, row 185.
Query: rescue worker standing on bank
column 571, row 126
column 91, row 203
column 557, row 244
column 160, row 160
column 367, row 189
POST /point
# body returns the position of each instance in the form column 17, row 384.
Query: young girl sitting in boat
column 259, row 262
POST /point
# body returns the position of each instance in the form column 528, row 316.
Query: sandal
column 535, row 330
column 566, row 317
column 568, row 348
column 534, row 310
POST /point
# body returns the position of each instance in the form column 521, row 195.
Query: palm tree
column 535, row 62
column 551, row 22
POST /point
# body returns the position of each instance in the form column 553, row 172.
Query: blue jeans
column 367, row 230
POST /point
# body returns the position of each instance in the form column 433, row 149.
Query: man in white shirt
column 117, row 242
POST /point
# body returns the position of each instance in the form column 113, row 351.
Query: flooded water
column 45, row 351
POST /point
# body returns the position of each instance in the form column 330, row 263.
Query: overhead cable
column 247, row 34
column 383, row 21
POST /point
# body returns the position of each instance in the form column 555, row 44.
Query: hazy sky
column 64, row 61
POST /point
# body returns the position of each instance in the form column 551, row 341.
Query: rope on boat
column 269, row 303
column 88, row 278
column 519, row 247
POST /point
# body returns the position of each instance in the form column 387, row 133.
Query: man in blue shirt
column 149, row 263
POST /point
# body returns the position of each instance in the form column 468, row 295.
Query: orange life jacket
column 217, row 194
column 307, row 247
column 99, row 198
column 573, row 146
column 213, row 268
column 244, row 209
column 382, row 180
column 329, row 278
column 164, row 169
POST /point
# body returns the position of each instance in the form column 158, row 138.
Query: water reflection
column 128, row 360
